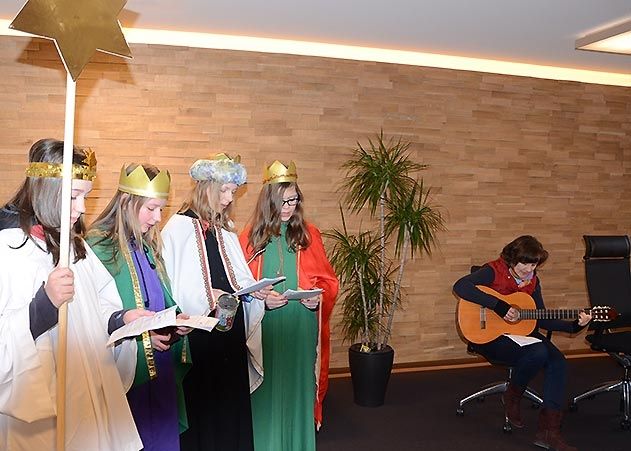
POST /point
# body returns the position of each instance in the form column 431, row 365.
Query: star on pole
column 78, row 27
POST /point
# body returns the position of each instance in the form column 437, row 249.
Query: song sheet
column 164, row 318
column 259, row 284
column 301, row 294
column 522, row 340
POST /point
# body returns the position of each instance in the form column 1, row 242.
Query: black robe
column 217, row 388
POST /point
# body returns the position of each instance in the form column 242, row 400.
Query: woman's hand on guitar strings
column 584, row 318
column 512, row 316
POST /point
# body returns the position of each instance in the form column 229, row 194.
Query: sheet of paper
column 260, row 284
column 198, row 322
column 522, row 340
column 161, row 319
column 302, row 294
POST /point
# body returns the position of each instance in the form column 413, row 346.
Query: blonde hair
column 119, row 223
column 203, row 200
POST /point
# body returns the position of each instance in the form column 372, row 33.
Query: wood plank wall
column 508, row 155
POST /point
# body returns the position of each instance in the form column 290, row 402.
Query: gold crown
column 223, row 156
column 87, row 171
column 138, row 183
column 277, row 172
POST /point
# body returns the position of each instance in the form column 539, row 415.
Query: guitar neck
column 550, row 313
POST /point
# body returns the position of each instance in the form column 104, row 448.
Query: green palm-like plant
column 355, row 258
column 380, row 177
column 378, row 172
column 415, row 224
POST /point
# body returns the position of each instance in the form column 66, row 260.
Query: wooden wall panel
column 507, row 155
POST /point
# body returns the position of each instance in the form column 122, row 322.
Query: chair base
column 497, row 388
column 623, row 387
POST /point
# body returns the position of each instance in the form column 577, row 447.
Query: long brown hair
column 203, row 200
column 266, row 220
column 38, row 200
column 118, row 222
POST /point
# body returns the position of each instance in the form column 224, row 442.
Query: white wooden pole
column 64, row 256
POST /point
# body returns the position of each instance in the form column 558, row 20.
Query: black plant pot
column 370, row 372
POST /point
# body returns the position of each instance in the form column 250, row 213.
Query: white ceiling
column 528, row 31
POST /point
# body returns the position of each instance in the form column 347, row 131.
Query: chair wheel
column 625, row 425
column 460, row 412
column 507, row 428
column 573, row 407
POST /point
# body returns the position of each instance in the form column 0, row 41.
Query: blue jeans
column 527, row 361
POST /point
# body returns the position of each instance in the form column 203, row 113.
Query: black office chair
column 608, row 277
column 497, row 387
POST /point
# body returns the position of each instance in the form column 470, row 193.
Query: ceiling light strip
column 267, row 45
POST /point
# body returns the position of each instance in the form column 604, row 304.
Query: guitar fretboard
column 550, row 313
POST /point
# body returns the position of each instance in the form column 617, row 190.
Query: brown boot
column 549, row 432
column 511, row 399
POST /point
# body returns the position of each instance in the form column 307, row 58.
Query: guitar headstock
column 603, row 313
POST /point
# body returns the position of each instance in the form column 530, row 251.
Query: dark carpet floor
column 420, row 413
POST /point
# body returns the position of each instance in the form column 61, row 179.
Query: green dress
column 282, row 407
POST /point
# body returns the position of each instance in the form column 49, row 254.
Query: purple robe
column 154, row 404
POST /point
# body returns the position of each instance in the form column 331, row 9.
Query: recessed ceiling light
column 615, row 39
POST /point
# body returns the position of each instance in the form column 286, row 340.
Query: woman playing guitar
column 515, row 271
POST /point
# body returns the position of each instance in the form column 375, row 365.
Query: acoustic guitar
column 481, row 325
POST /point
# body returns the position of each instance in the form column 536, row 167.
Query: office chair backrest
column 608, row 276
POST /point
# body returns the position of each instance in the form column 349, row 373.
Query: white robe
column 186, row 262
column 97, row 413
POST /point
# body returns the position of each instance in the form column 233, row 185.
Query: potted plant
column 370, row 263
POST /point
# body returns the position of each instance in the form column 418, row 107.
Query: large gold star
column 78, row 27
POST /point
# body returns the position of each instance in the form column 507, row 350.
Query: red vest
column 504, row 282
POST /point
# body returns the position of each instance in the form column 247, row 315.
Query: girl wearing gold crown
column 295, row 336
column 32, row 288
column 126, row 238
column 203, row 259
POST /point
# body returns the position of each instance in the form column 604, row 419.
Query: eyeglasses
column 292, row 201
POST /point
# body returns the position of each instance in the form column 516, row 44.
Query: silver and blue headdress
column 221, row 169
